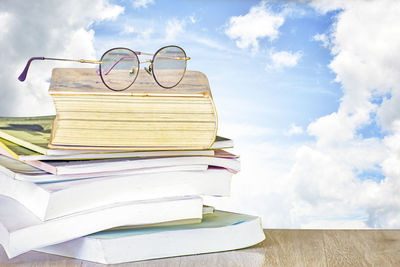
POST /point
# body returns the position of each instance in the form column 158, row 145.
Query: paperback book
column 21, row 171
column 55, row 199
column 219, row 231
column 21, row 231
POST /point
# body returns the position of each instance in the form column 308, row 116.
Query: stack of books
column 119, row 176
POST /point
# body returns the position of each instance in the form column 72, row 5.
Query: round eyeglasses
column 119, row 67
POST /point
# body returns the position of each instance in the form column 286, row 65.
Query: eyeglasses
column 119, row 67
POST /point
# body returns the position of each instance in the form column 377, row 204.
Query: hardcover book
column 27, row 138
column 143, row 117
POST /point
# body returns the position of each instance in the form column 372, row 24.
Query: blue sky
column 262, row 89
column 308, row 90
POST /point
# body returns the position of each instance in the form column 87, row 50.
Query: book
column 67, row 167
column 143, row 117
column 219, row 231
column 33, row 133
column 30, row 132
column 19, row 170
column 21, row 231
column 206, row 210
column 55, row 199
column 21, row 153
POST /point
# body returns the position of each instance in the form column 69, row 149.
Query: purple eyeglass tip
column 22, row 77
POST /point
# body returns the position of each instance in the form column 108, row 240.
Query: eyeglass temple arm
column 22, row 76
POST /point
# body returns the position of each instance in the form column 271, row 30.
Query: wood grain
column 280, row 248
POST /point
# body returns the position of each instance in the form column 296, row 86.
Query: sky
column 308, row 90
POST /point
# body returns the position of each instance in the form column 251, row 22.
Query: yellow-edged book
column 143, row 117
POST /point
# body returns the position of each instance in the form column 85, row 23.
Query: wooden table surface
column 280, row 248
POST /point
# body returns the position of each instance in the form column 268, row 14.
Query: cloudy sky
column 309, row 91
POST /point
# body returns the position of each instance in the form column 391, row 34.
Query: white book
column 220, row 159
column 55, row 199
column 21, row 231
column 21, row 171
column 220, row 231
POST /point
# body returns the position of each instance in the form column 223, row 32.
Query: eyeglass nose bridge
column 149, row 69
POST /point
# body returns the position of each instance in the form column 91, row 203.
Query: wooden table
column 280, row 248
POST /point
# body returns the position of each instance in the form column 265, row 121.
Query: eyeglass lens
column 169, row 66
column 119, row 68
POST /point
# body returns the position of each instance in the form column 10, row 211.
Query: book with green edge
column 30, row 132
column 33, row 134
column 10, row 149
column 16, row 151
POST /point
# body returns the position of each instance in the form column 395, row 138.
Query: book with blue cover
column 218, row 231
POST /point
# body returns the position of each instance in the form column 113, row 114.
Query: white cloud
column 210, row 43
column 260, row 22
column 5, row 19
column 325, row 6
column 174, row 29
column 192, row 19
column 263, row 186
column 294, row 130
column 364, row 42
column 128, row 29
column 241, row 130
column 322, row 38
column 107, row 11
column 151, row 33
column 142, row 3
column 56, row 29
column 282, row 59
